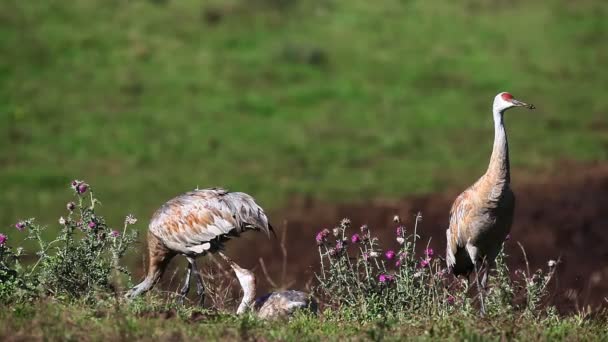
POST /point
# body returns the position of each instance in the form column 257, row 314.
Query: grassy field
column 58, row 322
column 339, row 100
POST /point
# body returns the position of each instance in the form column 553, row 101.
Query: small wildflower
column 21, row 225
column 74, row 184
column 71, row 206
column 336, row 231
column 429, row 252
column 130, row 219
column 396, row 219
column 355, row 238
column 115, row 233
column 400, row 240
column 333, row 251
column 451, row 300
column 322, row 236
column 385, row 278
column 339, row 246
column 399, row 231
column 62, row 221
column 424, row 263
column 398, row 263
column 389, row 255
column 82, row 188
column 92, row 224
column 552, row 263
column 3, row 239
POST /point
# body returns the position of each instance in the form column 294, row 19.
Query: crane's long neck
column 247, row 281
column 499, row 168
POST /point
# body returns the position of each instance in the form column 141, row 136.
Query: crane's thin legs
column 487, row 268
column 200, row 287
column 473, row 255
column 186, row 287
column 480, row 290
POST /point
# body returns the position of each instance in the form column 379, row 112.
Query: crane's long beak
column 522, row 104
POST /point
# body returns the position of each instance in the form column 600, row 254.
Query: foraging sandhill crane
column 481, row 216
column 194, row 224
column 273, row 305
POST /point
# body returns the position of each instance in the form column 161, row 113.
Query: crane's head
column 504, row 101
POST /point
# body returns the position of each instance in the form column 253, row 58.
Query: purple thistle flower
column 397, row 263
column 400, row 230
column 71, row 206
column 424, row 263
column 451, row 300
column 82, row 188
column 339, row 246
column 429, row 252
column 3, row 239
column 322, row 236
column 115, row 233
column 355, row 238
column 385, row 278
column 92, row 224
column 389, row 255
column 20, row 225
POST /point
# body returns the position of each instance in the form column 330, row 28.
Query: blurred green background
column 335, row 100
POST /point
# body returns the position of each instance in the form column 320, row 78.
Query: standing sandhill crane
column 272, row 305
column 194, row 224
column 481, row 216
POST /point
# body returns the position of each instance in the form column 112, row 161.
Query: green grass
column 59, row 322
column 333, row 99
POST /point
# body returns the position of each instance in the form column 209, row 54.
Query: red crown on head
column 507, row 96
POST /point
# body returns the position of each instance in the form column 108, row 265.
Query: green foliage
column 113, row 321
column 81, row 262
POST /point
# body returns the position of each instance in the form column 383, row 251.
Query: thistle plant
column 361, row 278
column 80, row 261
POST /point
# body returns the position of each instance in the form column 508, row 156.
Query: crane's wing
column 458, row 232
column 189, row 223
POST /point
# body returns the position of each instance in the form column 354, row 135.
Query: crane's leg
column 487, row 268
column 186, row 287
column 473, row 255
column 200, row 287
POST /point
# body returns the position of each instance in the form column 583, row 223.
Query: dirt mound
column 560, row 216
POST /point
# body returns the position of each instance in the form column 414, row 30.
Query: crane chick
column 273, row 305
column 194, row 224
column 481, row 216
